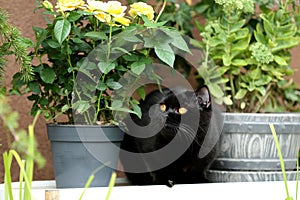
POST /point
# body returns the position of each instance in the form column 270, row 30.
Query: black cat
column 167, row 139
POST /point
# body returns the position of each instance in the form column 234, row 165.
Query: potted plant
column 86, row 48
column 247, row 68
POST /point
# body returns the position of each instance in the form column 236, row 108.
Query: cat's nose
column 172, row 114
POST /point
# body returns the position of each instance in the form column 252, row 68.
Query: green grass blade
column 27, row 188
column 7, row 159
column 21, row 180
column 29, row 162
column 111, row 184
column 30, row 159
column 87, row 184
column 91, row 178
column 281, row 160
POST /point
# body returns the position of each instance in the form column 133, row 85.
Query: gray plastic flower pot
column 248, row 151
column 82, row 150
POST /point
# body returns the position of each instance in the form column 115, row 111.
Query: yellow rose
column 189, row 2
column 68, row 5
column 106, row 11
column 48, row 5
column 122, row 20
column 115, row 9
column 141, row 8
column 96, row 5
column 103, row 17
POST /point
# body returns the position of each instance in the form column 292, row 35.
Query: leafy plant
column 89, row 46
column 12, row 43
column 248, row 53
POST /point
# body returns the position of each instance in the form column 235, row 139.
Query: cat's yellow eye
column 182, row 111
column 163, row 107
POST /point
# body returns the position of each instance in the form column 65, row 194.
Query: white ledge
column 211, row 191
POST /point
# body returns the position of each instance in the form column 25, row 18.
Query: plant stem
column 161, row 11
column 109, row 41
column 231, row 79
column 99, row 101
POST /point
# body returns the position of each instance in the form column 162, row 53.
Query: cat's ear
column 203, row 96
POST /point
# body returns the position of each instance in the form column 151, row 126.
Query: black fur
column 187, row 168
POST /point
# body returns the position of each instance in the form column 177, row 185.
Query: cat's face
column 181, row 111
column 172, row 112
column 173, row 106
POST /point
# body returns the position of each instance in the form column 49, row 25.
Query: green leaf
column 132, row 38
column 243, row 34
column 151, row 24
column 286, row 44
column 47, row 75
column 240, row 94
column 261, row 90
column 74, row 16
column 215, row 42
column 241, row 45
column 290, row 94
column 142, row 93
column 215, row 90
column 226, row 60
column 116, row 104
column 81, row 106
column 149, row 42
column 237, row 26
column 95, row 35
column 113, row 84
column 259, row 36
column 178, row 40
column 255, row 74
column 251, row 87
column 65, row 108
column 264, row 80
column 127, row 110
column 62, row 29
column 227, row 100
column 101, row 86
column 165, row 54
column 280, row 61
column 131, row 57
column 138, row 67
column 269, row 28
column 34, row 87
column 239, row 62
column 137, row 110
column 231, row 38
column 53, row 43
column 278, row 74
column 106, row 67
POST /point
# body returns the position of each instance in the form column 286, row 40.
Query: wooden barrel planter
column 248, row 151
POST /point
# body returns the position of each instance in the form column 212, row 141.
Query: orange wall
column 22, row 16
